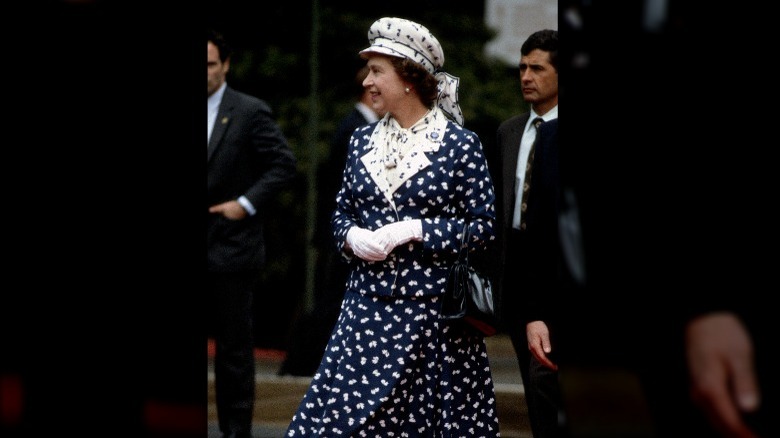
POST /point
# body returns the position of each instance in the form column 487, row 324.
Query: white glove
column 398, row 233
column 364, row 245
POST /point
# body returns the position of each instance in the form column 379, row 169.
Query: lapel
column 411, row 164
column 512, row 145
column 376, row 167
column 224, row 116
column 546, row 154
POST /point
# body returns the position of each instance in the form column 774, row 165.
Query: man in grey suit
column 249, row 162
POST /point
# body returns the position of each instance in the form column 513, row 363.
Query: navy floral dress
column 391, row 367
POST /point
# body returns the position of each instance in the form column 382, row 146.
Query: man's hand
column 719, row 352
column 538, row 336
column 230, row 209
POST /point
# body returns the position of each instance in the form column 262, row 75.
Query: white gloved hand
column 364, row 245
column 398, row 233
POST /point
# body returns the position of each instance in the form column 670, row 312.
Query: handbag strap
column 463, row 255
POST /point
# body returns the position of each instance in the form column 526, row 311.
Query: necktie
column 527, row 180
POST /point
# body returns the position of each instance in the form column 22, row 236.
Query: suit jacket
column 529, row 261
column 247, row 155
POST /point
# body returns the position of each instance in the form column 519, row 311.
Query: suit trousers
column 234, row 365
column 541, row 386
column 542, row 392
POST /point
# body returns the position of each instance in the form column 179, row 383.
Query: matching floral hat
column 403, row 38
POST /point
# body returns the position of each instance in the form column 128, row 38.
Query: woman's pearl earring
column 407, row 90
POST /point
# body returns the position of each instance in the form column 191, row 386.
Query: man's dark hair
column 545, row 40
column 218, row 40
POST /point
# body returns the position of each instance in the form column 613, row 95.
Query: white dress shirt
column 213, row 108
column 529, row 136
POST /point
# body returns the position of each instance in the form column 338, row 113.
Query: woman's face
column 386, row 88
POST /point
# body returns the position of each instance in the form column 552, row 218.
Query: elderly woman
column 411, row 183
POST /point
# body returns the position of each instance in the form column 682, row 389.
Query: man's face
column 539, row 79
column 216, row 69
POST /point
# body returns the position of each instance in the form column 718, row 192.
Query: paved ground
column 277, row 397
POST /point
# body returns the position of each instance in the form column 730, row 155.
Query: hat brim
column 381, row 50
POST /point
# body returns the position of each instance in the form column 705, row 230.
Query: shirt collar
column 367, row 112
column 549, row 115
column 216, row 98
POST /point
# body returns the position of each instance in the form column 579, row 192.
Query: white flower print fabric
column 391, row 367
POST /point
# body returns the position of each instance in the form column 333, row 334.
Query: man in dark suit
column 528, row 193
column 313, row 329
column 249, row 162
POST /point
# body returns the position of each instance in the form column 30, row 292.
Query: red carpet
column 260, row 353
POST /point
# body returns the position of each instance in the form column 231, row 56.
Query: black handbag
column 469, row 294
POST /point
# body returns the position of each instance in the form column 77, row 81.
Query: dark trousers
column 542, row 391
column 540, row 384
column 234, row 364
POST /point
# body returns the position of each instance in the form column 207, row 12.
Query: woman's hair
column 422, row 81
